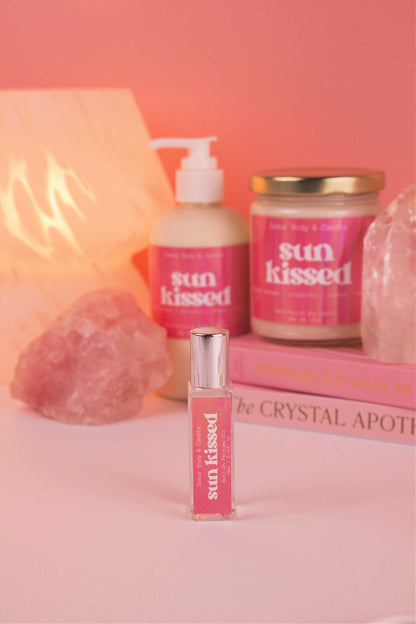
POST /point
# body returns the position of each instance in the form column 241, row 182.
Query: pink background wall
column 281, row 82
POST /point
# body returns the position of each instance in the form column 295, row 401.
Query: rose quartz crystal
column 94, row 364
column 388, row 298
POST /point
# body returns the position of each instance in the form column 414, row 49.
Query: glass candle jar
column 307, row 231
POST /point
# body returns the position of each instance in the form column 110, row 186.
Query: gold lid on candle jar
column 317, row 181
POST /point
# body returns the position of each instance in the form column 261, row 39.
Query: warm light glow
column 49, row 214
column 80, row 190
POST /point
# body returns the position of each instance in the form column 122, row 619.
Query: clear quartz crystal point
column 389, row 283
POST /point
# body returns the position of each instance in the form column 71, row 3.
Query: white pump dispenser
column 198, row 260
column 198, row 181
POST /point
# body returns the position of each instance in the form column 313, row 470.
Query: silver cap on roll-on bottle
column 209, row 357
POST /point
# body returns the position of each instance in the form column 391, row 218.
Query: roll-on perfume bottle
column 211, row 426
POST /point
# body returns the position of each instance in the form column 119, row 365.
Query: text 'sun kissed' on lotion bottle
column 211, row 426
column 198, row 260
column 307, row 232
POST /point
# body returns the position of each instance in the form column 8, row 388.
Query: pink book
column 345, row 372
column 324, row 414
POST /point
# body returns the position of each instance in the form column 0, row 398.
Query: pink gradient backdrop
column 282, row 83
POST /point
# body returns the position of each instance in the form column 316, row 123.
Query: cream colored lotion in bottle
column 198, row 260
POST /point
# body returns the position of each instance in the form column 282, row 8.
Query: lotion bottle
column 198, row 260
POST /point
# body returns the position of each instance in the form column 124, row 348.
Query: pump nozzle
column 199, row 151
column 199, row 180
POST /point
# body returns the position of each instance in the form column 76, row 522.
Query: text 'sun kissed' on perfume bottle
column 211, row 426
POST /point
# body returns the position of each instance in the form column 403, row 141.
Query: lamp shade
column 80, row 189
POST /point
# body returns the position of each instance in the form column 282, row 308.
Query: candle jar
column 307, row 231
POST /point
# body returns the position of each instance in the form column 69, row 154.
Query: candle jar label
column 200, row 286
column 307, row 271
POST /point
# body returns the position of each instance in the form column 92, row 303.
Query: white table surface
column 94, row 525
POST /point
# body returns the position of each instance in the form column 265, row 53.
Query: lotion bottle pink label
column 195, row 286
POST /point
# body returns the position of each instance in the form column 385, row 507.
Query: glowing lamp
column 79, row 191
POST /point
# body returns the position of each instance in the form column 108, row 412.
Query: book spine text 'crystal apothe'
column 323, row 414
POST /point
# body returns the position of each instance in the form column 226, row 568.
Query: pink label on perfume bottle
column 211, row 455
column 200, row 286
column 307, row 271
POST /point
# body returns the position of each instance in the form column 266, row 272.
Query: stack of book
column 332, row 390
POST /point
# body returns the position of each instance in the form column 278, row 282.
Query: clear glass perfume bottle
column 211, row 426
